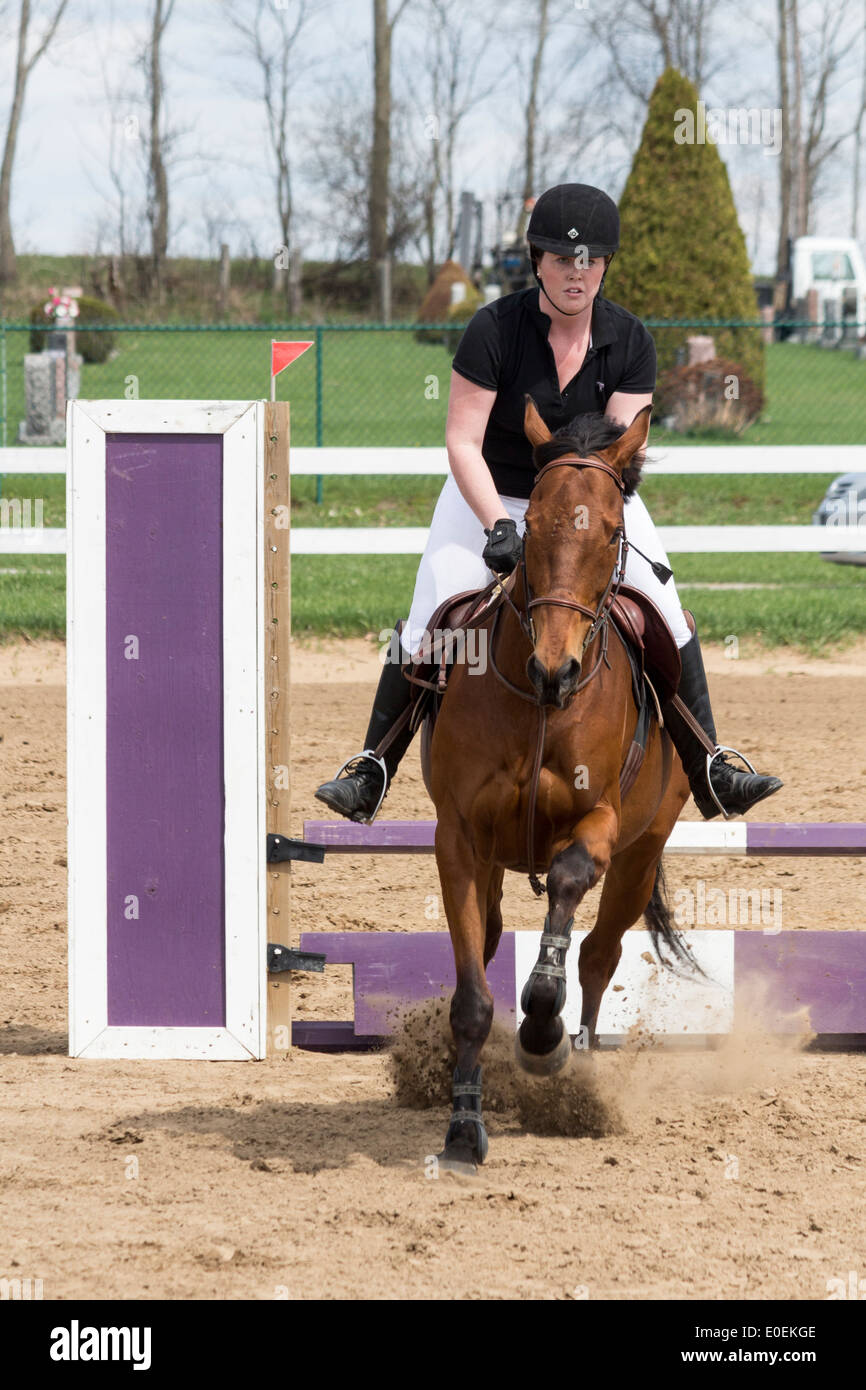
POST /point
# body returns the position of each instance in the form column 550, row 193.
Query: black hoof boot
column 466, row 1140
column 542, row 1047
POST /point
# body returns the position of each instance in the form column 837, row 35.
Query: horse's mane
column 589, row 434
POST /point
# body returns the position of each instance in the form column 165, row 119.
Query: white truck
column 834, row 268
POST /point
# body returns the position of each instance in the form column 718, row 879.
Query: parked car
column 844, row 504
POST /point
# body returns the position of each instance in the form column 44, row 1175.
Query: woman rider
column 573, row 351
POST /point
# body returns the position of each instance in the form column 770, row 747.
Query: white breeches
column 452, row 561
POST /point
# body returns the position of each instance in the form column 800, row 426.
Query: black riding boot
column 736, row 791
column 357, row 793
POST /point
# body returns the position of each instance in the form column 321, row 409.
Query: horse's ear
column 534, row 427
column 632, row 442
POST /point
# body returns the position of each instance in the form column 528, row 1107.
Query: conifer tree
column 683, row 255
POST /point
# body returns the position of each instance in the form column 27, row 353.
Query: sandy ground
column 738, row 1173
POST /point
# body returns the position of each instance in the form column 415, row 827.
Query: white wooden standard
column 241, row 424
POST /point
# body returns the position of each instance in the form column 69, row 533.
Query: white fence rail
column 410, row 540
column 680, row 462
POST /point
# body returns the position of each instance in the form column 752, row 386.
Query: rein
column 599, row 625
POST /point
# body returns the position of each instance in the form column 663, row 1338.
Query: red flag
column 284, row 354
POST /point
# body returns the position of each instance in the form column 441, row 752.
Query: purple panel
column 416, row 837
column 383, row 837
column 840, row 837
column 824, row 971
column 316, row 1036
column 165, row 730
column 393, row 969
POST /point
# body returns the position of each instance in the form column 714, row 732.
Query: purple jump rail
column 782, row 982
column 417, row 837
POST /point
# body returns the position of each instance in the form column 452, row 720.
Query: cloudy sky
column 221, row 187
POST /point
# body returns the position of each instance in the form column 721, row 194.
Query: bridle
column 599, row 615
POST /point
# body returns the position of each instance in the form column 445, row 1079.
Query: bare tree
column 817, row 56
column 271, row 45
column 859, row 124
column 786, row 164
column 157, row 183
column 661, row 34
column 540, row 140
column 809, row 62
column 380, row 153
column 339, row 166
column 541, row 25
column 24, row 66
column 124, row 225
column 450, row 58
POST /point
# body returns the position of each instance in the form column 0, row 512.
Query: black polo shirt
column 505, row 348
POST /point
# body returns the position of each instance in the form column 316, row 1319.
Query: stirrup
column 711, row 757
column 380, row 762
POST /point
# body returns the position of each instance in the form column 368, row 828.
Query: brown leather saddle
column 639, row 623
column 652, row 652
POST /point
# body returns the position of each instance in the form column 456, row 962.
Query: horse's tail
column 657, row 915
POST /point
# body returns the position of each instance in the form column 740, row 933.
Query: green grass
column 812, row 605
column 377, row 389
column 387, row 389
column 806, row 603
column 33, row 596
column 814, row 395
column 399, row 501
column 673, row 501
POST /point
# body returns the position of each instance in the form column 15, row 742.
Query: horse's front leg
column 465, row 886
column 542, row 1045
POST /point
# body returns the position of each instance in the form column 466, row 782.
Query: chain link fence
column 388, row 385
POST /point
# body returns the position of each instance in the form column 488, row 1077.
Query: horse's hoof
column 459, row 1158
column 547, row 1063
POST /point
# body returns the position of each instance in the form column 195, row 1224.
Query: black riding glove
column 504, row 547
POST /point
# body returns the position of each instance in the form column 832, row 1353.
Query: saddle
column 637, row 620
column 649, row 644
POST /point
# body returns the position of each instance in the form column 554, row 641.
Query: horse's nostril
column 535, row 671
column 568, row 673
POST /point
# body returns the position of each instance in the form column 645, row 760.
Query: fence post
column 319, row 421
column 3, row 381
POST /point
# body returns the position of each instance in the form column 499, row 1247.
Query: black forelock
column 589, row 434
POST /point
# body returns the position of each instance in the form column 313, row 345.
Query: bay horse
column 496, row 810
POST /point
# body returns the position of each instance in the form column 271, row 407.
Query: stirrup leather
column 380, row 763
column 711, row 757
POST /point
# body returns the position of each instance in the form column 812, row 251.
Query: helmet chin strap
column 571, row 314
column 568, row 313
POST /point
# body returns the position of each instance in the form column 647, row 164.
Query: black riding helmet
column 571, row 216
